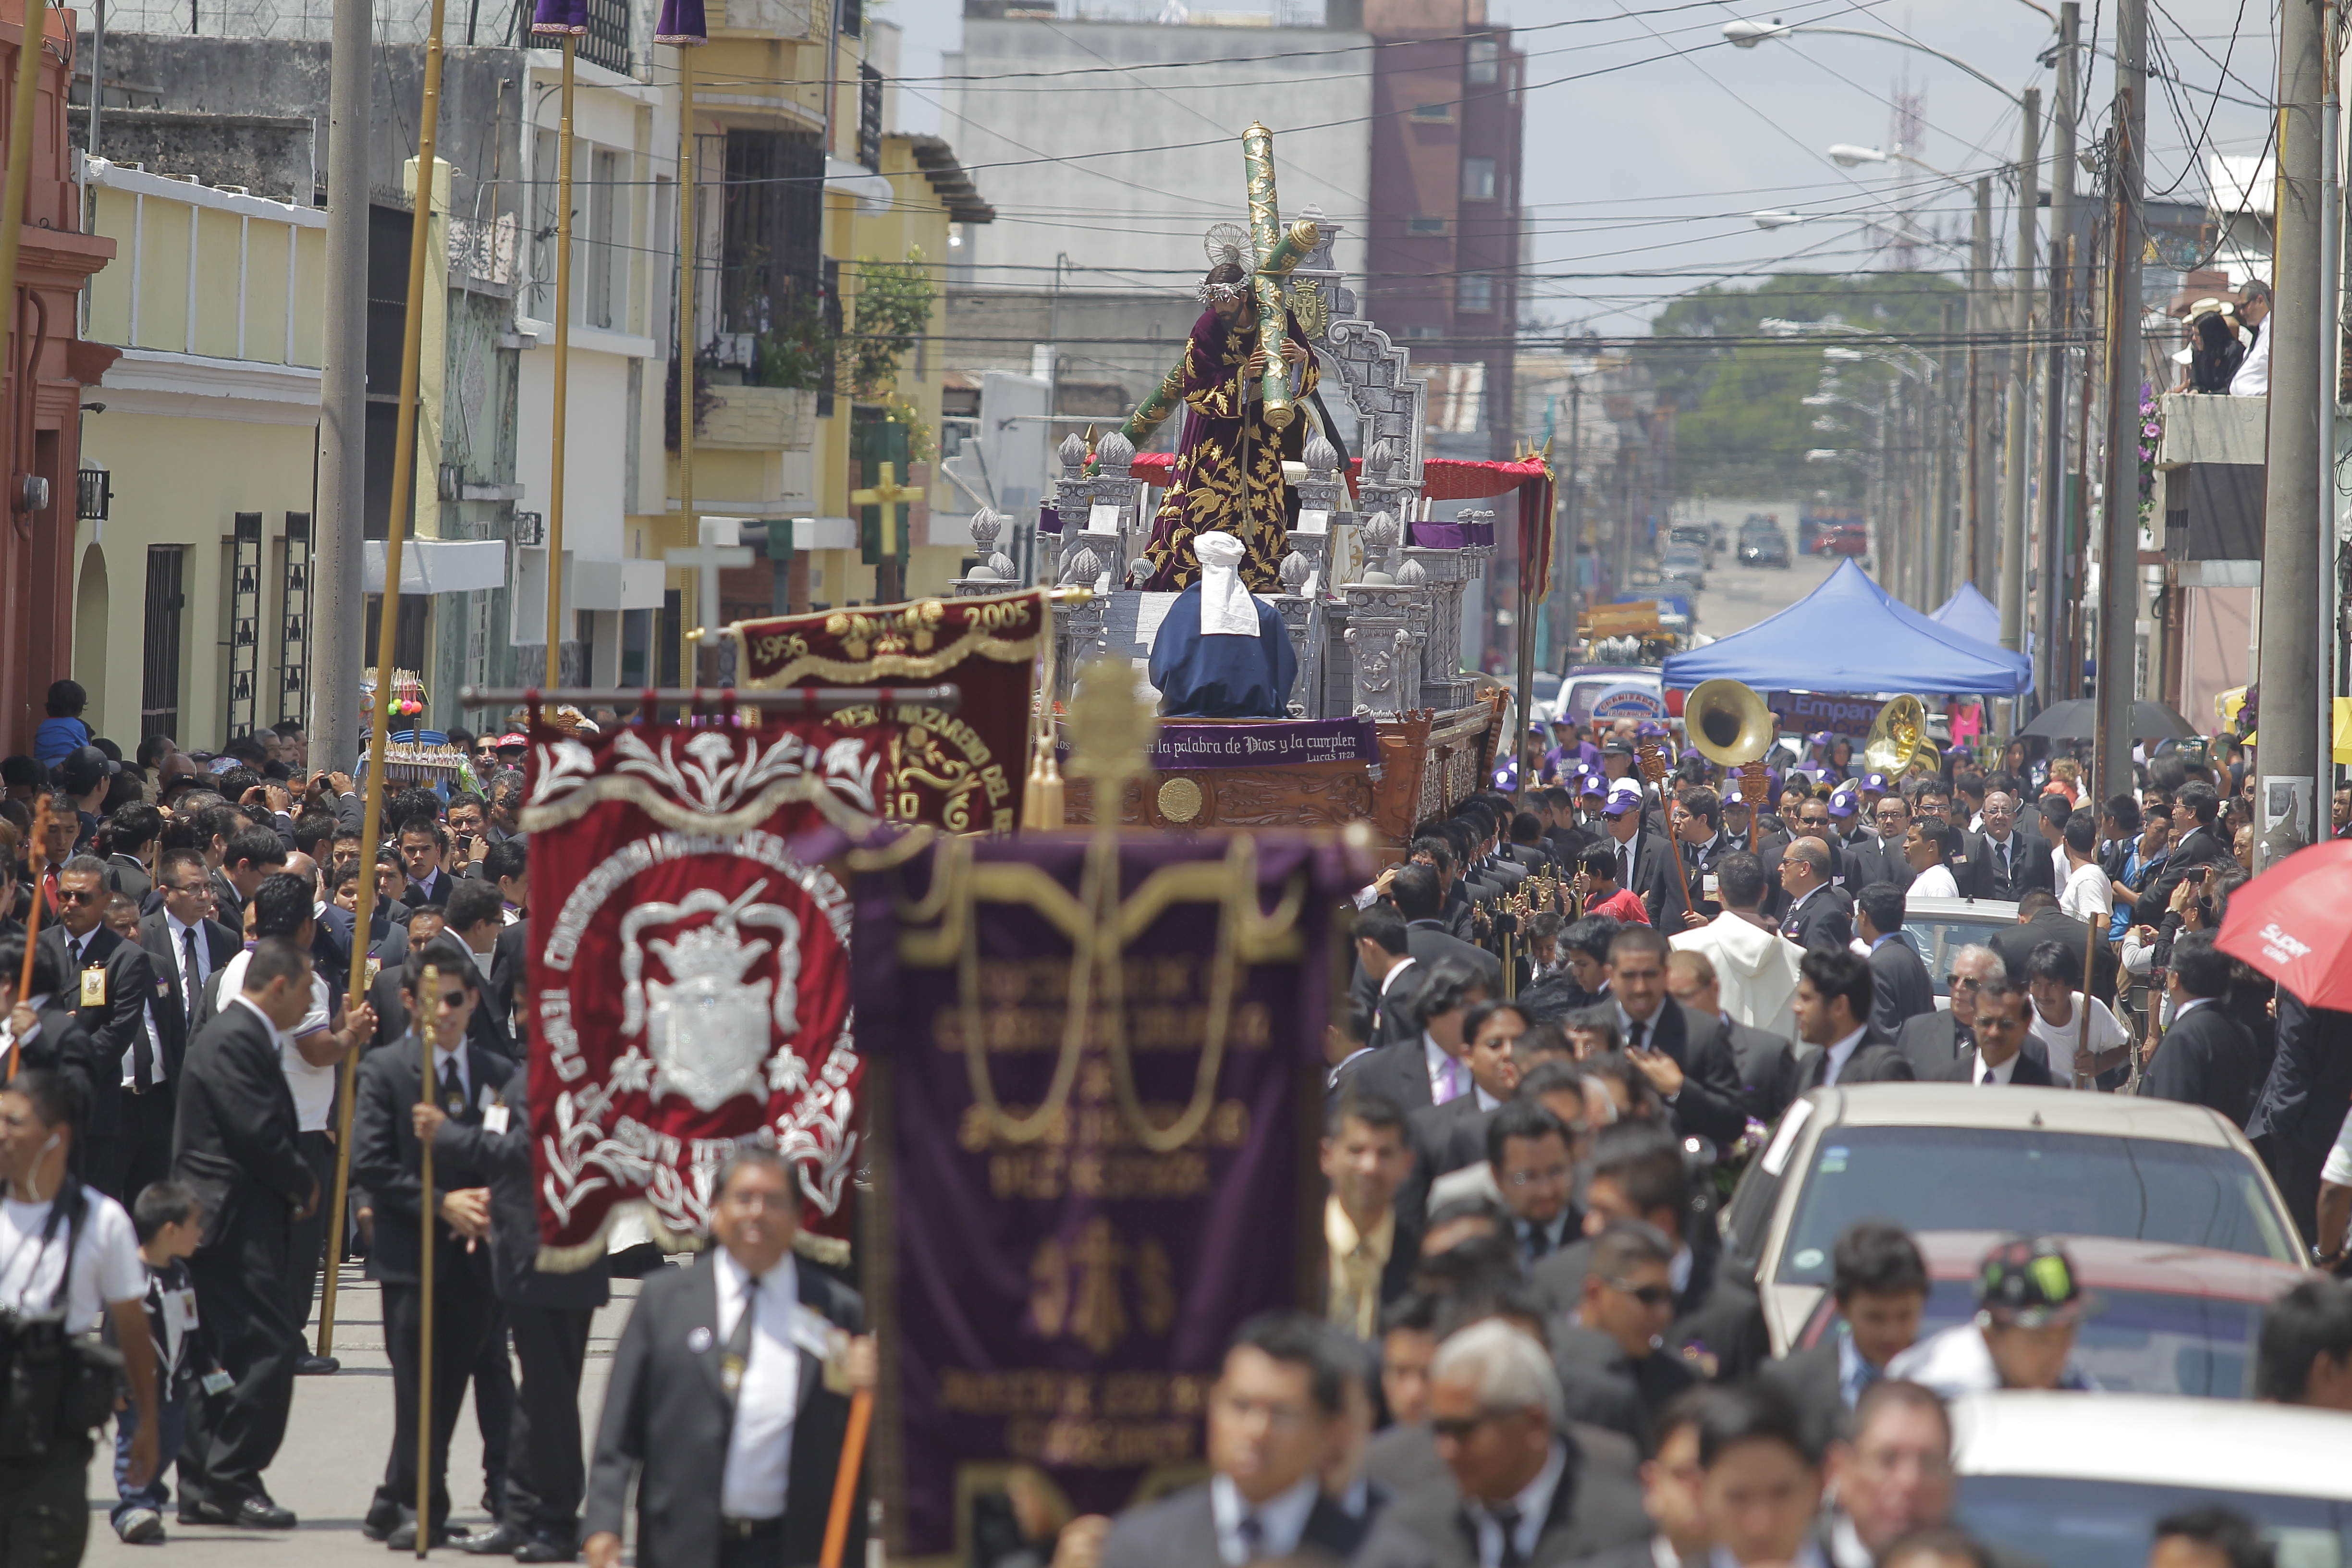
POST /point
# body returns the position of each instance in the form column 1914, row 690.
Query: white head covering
column 1226, row 608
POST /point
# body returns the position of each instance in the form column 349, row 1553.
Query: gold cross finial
column 1111, row 727
column 889, row 495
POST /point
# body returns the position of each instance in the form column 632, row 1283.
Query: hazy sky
column 1650, row 140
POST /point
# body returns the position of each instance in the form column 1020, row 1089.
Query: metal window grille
column 869, row 118
column 607, row 43
column 159, row 673
column 294, row 619
column 853, row 18
column 95, row 492
column 244, row 622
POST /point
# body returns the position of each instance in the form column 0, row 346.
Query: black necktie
column 1989, row 1076
column 738, row 1355
column 1506, row 1515
column 191, row 977
column 1636, row 1030
column 1538, row 1241
column 453, row 1088
column 1252, row 1532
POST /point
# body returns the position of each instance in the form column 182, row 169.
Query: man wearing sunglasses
column 1934, row 1041
column 2004, row 1053
column 111, row 986
column 1613, row 1355
column 1880, row 859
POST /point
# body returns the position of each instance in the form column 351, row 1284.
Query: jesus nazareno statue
column 1228, row 473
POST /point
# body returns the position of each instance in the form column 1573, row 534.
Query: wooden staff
column 428, row 1004
column 2083, row 1023
column 40, row 863
column 845, row 1480
column 387, row 643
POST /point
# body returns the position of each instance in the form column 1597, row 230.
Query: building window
column 1484, row 65
column 1418, row 224
column 869, row 118
column 1474, row 292
column 1477, row 179
column 159, row 675
column 1433, row 113
column 604, row 196
column 1413, row 333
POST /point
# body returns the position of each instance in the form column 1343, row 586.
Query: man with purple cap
column 1647, row 866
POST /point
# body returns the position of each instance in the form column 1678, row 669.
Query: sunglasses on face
column 1651, row 1296
column 76, row 896
column 1457, row 1427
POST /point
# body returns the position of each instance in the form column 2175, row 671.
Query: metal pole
column 1575, row 525
column 2331, row 208
column 2120, row 554
column 2287, row 757
column 1935, row 543
column 404, row 471
column 2017, row 445
column 686, row 248
column 96, row 51
column 562, row 372
column 337, row 617
column 2065, row 308
column 1980, row 463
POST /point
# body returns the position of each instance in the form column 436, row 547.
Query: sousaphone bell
column 1730, row 725
column 1898, row 740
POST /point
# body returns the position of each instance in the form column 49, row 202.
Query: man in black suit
column 1819, row 914
column 1276, row 1418
column 43, row 1028
column 130, row 842
column 1447, row 1138
column 1613, row 1339
column 112, row 988
column 1934, row 1041
column 2039, row 919
column 398, row 1090
column 1880, row 1283
column 2301, row 1107
column 508, row 868
column 728, row 1400
column 1647, row 866
column 1523, row 1491
column 2009, row 862
column 423, row 843
column 1414, row 891
column 2003, row 1051
column 549, row 1313
column 1903, row 990
column 236, row 1147
column 1682, row 1054
column 1532, row 1156
column 186, row 946
column 250, row 854
column 472, row 917
column 1370, row 1245
column 1387, row 973
column 1880, row 859
column 2196, row 840
column 1767, row 1063
column 1835, row 996
column 1422, row 1065
column 2205, row 1057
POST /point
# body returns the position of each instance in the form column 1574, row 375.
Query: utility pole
column 1976, row 554
column 2287, row 753
column 2119, row 554
column 2066, row 306
column 338, row 616
column 1565, row 637
column 1935, row 568
column 2017, row 445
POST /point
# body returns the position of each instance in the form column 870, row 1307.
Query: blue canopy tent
column 1851, row 634
column 1971, row 613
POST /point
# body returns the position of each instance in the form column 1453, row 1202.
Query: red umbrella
column 2294, row 923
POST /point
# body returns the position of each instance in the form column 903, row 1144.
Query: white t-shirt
column 106, row 1266
column 2059, row 1039
column 313, row 1088
column 1935, row 882
column 2087, row 893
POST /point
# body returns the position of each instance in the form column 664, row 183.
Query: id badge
column 494, row 1120
column 217, row 1382
column 93, row 987
column 180, row 1311
column 374, row 968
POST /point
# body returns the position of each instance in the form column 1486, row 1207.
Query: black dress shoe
column 541, row 1548
column 381, row 1520
column 316, row 1366
column 500, row 1541
column 403, row 1538
column 256, row 1512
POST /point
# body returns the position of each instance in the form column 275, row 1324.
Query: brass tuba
column 1898, row 740
column 1729, row 722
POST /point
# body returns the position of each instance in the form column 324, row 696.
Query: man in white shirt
column 1928, row 849
column 2089, row 891
column 2253, row 376
column 43, row 1502
column 2052, row 971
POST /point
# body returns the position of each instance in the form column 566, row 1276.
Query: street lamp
column 1746, row 35
column 1772, row 220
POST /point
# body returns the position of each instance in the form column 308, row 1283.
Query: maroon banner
column 963, row 771
column 1101, row 1111
column 690, row 973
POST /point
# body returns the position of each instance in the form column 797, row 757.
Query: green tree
column 1744, row 428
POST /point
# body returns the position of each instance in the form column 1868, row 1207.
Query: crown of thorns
column 1220, row 293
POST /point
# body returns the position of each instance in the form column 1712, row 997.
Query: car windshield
column 1939, row 937
column 2140, row 1342
column 2108, row 1524
column 2068, row 1183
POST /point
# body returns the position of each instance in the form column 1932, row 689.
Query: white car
column 2080, row 1479
column 1934, row 1156
column 1939, row 927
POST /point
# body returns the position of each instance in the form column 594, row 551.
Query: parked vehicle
column 1765, row 547
column 1939, row 927
column 2171, row 1320
column 1930, row 1156
column 2080, row 1478
column 1843, row 539
column 1685, row 566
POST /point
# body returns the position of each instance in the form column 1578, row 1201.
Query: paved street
column 1739, row 597
column 335, row 1452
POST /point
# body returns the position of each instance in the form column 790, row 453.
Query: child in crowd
column 168, row 1220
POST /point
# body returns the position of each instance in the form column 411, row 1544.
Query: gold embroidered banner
column 960, row 772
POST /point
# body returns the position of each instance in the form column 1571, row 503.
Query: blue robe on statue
column 1221, row 677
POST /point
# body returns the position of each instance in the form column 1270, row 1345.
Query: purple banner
column 1272, row 744
column 1453, row 535
column 1813, row 712
column 1076, row 1216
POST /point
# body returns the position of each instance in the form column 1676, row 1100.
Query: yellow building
column 191, row 610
